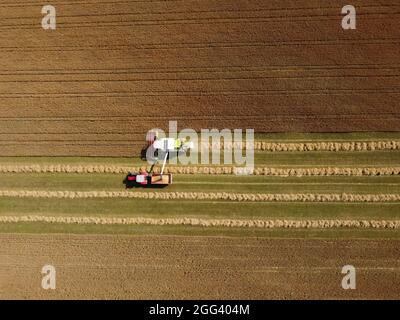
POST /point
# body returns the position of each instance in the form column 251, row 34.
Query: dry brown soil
column 167, row 267
column 114, row 69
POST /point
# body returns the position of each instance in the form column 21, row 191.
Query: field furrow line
column 267, row 224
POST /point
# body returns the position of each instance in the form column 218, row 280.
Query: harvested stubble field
column 335, row 193
column 161, row 267
column 113, row 70
column 298, row 185
column 295, row 194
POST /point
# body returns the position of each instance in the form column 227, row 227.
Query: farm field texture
column 160, row 267
column 58, row 187
column 75, row 106
column 165, row 228
column 113, row 71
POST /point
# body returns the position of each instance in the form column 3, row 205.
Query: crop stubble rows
column 131, row 67
column 156, row 267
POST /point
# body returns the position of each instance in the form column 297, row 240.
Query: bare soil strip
column 234, row 223
column 266, row 171
column 165, row 267
column 227, row 196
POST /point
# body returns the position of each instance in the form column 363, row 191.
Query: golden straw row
column 213, row 170
column 227, row 196
column 307, row 146
column 267, row 224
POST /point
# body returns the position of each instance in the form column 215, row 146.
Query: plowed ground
column 113, row 70
column 196, row 267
